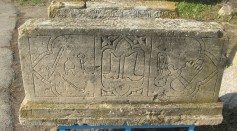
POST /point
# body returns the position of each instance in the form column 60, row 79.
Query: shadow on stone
column 229, row 120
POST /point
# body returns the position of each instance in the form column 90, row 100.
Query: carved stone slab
column 109, row 9
column 121, row 61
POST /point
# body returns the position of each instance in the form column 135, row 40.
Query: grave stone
column 121, row 71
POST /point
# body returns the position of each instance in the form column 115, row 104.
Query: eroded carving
column 124, row 62
column 163, row 68
column 62, row 66
column 180, row 66
column 102, row 13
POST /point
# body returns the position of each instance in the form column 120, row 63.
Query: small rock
column 225, row 10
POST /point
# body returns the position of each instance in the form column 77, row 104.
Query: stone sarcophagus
column 121, row 71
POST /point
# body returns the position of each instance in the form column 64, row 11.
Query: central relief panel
column 124, row 65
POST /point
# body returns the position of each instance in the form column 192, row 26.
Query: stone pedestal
column 120, row 70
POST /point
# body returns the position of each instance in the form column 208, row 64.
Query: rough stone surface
column 89, row 62
column 122, row 114
column 129, row 61
column 226, row 10
column 109, row 9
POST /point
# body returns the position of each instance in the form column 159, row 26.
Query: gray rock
column 226, row 10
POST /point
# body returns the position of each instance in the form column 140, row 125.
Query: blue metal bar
column 191, row 128
column 127, row 128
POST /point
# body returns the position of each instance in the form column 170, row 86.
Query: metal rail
column 126, row 128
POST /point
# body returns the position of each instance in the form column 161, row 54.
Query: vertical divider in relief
column 98, row 68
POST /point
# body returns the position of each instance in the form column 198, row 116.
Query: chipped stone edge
column 176, row 27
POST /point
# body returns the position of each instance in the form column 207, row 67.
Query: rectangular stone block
column 86, row 62
column 122, row 114
column 112, row 9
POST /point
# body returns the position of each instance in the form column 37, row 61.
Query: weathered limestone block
column 103, row 72
column 109, row 9
column 122, row 114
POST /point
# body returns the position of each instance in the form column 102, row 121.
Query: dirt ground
column 17, row 91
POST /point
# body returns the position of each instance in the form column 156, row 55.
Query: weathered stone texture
column 122, row 114
column 109, row 9
column 122, row 61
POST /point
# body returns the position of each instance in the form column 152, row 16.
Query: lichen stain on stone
column 169, row 14
column 27, row 28
column 52, row 12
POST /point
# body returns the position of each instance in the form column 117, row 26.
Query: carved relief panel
column 181, row 67
column 62, row 65
column 124, row 65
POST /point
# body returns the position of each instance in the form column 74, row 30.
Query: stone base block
column 109, row 9
column 121, row 114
